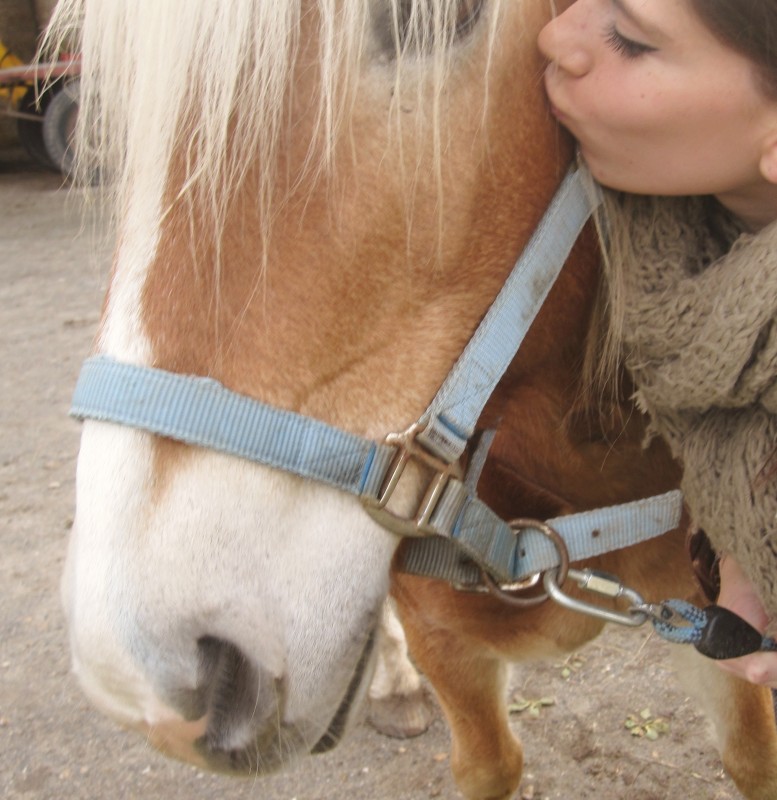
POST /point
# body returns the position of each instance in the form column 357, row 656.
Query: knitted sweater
column 695, row 301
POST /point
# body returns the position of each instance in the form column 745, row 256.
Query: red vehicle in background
column 43, row 98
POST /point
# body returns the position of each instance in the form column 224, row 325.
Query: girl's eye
column 628, row 48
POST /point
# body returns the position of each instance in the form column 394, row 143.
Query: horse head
column 315, row 204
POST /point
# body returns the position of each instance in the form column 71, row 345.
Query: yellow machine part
column 12, row 94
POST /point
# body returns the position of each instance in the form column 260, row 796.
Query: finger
column 738, row 595
column 758, row 668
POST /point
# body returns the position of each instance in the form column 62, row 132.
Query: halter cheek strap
column 456, row 408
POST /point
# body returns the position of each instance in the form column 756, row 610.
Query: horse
column 315, row 202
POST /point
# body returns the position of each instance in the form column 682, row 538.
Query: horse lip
column 242, row 699
column 227, row 746
column 337, row 726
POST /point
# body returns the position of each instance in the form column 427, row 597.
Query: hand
column 738, row 595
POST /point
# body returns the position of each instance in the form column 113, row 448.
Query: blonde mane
column 220, row 76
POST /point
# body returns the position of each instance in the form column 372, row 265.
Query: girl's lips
column 562, row 117
column 550, row 86
column 559, row 115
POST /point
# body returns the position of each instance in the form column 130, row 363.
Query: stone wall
column 20, row 23
column 43, row 9
column 19, row 27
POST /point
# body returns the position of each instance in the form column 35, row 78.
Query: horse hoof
column 402, row 716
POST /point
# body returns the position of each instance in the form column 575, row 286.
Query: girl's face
column 659, row 105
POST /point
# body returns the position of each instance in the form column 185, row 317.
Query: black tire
column 30, row 131
column 59, row 122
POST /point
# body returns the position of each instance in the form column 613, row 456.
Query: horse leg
column 744, row 721
column 399, row 704
column 469, row 679
column 463, row 643
column 486, row 757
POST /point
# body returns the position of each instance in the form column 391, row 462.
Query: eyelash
column 628, row 48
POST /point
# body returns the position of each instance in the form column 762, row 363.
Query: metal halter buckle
column 410, row 450
column 504, row 592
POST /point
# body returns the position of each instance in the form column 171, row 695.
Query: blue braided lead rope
column 681, row 622
column 668, row 629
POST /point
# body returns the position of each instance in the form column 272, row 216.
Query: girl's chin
column 600, row 171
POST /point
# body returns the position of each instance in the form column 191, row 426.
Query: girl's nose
column 567, row 41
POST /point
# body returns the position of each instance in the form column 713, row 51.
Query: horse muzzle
column 233, row 721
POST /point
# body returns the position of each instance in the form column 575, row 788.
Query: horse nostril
column 240, row 698
column 214, row 658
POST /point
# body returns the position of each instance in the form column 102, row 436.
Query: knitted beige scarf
column 694, row 307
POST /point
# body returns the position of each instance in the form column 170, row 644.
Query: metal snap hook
column 602, row 584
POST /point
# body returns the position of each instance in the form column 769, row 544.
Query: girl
column 674, row 106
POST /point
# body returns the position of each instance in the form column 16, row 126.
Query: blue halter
column 450, row 521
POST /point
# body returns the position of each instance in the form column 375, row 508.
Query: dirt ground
column 54, row 746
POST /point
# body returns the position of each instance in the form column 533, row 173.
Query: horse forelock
column 206, row 89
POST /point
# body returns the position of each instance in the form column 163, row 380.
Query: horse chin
column 352, row 698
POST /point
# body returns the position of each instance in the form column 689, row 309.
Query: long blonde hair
column 221, row 74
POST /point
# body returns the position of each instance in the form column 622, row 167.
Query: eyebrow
column 633, row 17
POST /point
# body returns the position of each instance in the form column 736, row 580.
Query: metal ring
column 518, row 525
column 516, row 601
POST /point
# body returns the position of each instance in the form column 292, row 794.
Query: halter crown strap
column 456, row 408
